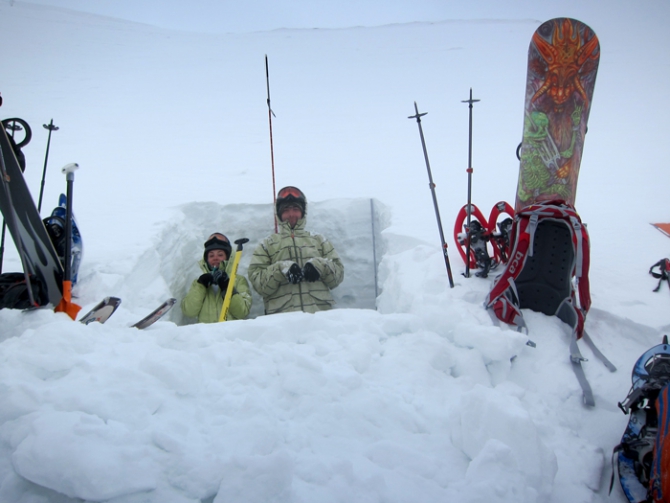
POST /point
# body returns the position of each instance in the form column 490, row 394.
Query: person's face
column 215, row 257
column 291, row 214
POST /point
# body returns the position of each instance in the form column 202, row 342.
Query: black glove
column 205, row 280
column 310, row 273
column 221, row 278
column 294, row 274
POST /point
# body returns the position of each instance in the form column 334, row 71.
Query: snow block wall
column 353, row 226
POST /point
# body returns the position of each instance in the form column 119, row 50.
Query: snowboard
column 155, row 315
column 38, row 256
column 55, row 224
column 562, row 66
column 634, row 455
column 102, row 311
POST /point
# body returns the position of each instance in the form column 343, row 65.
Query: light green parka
column 275, row 254
column 205, row 303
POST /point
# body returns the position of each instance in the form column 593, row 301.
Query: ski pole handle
column 69, row 169
column 231, row 283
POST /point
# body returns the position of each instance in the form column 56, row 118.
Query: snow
column 408, row 391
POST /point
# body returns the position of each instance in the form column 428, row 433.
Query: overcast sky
column 238, row 16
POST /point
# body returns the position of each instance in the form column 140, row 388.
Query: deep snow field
column 408, row 391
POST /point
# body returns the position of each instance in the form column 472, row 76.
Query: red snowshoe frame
column 489, row 247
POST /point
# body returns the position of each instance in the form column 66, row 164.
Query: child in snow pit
column 205, row 297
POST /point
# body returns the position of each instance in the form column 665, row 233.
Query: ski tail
column 155, row 315
column 102, row 311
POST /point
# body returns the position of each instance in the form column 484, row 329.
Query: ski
column 102, row 311
column 155, row 315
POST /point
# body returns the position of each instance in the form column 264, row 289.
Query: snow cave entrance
column 353, row 226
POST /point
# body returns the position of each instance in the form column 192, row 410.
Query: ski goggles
column 288, row 192
column 216, row 240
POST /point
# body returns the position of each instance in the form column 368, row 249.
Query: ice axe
column 66, row 305
column 231, row 283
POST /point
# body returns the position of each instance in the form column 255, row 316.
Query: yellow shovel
column 231, row 283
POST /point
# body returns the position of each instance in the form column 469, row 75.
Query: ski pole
column 51, row 128
column 418, row 116
column 272, row 152
column 469, row 170
column 231, row 283
column 66, row 305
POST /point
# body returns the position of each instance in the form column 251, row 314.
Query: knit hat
column 214, row 243
column 291, row 196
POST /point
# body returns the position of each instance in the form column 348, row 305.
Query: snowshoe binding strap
column 663, row 272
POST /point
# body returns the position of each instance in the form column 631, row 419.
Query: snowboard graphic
column 635, row 454
column 25, row 225
column 562, row 65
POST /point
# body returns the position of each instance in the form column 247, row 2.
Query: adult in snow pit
column 205, row 297
column 295, row 270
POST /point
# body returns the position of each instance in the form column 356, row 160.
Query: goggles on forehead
column 290, row 191
column 214, row 240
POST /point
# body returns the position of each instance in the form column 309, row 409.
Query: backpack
column 548, row 271
column 14, row 291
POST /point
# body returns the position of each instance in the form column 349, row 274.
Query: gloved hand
column 220, row 278
column 294, row 274
column 310, row 273
column 206, row 279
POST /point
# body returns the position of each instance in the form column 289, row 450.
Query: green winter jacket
column 275, row 254
column 205, row 303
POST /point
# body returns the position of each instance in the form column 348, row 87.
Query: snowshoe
column 637, row 450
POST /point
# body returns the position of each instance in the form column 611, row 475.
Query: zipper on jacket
column 295, row 247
